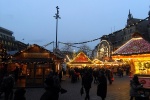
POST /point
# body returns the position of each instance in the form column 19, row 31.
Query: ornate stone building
column 109, row 43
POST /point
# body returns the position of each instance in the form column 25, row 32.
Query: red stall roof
column 136, row 45
column 81, row 58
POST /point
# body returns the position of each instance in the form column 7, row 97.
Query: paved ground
column 119, row 90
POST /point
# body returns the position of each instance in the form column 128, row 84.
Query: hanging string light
column 129, row 26
column 74, row 46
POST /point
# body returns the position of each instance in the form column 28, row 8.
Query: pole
column 56, row 17
column 56, row 31
column 53, row 46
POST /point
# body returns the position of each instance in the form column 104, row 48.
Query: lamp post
column 57, row 17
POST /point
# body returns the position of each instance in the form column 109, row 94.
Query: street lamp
column 57, row 17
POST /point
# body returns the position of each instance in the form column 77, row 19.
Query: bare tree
column 68, row 50
column 86, row 49
column 67, row 47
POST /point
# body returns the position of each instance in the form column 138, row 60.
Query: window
column 130, row 30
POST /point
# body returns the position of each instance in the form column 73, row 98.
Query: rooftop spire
column 130, row 15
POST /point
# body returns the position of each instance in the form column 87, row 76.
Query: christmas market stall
column 34, row 64
column 3, row 62
column 107, row 63
column 97, row 63
column 81, row 60
column 136, row 53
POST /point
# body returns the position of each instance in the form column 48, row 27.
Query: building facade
column 8, row 41
column 111, row 42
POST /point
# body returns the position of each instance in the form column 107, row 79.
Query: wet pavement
column 119, row 90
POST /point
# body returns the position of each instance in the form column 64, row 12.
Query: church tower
column 130, row 15
column 130, row 18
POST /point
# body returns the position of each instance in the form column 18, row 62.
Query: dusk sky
column 81, row 20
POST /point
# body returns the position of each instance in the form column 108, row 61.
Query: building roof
column 81, row 58
column 6, row 31
column 97, row 61
column 136, row 45
column 12, row 52
column 35, row 53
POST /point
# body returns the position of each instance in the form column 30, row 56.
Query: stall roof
column 12, row 52
column 136, row 45
column 81, row 58
column 33, row 49
column 35, row 53
column 97, row 61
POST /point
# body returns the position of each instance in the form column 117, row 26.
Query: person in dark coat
column 109, row 75
column 20, row 94
column 135, row 86
column 16, row 73
column 49, row 94
column 52, row 87
column 60, row 75
column 95, row 75
column 7, row 86
column 86, row 83
column 102, row 86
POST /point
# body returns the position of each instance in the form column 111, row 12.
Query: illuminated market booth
column 97, row 63
column 136, row 53
column 3, row 56
column 34, row 64
column 107, row 63
column 81, row 60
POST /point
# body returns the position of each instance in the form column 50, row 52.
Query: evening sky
column 32, row 21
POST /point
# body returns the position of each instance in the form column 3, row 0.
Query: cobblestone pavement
column 119, row 90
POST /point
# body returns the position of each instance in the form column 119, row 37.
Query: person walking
column 135, row 86
column 20, row 94
column 109, row 75
column 86, row 83
column 50, row 93
column 7, row 85
column 16, row 73
column 102, row 86
column 95, row 74
column 52, row 87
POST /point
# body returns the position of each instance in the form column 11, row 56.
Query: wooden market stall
column 81, row 60
column 97, row 63
column 136, row 53
column 34, row 64
column 107, row 64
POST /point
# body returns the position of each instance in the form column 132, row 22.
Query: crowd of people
column 7, row 82
column 51, row 85
column 88, row 75
column 99, row 76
